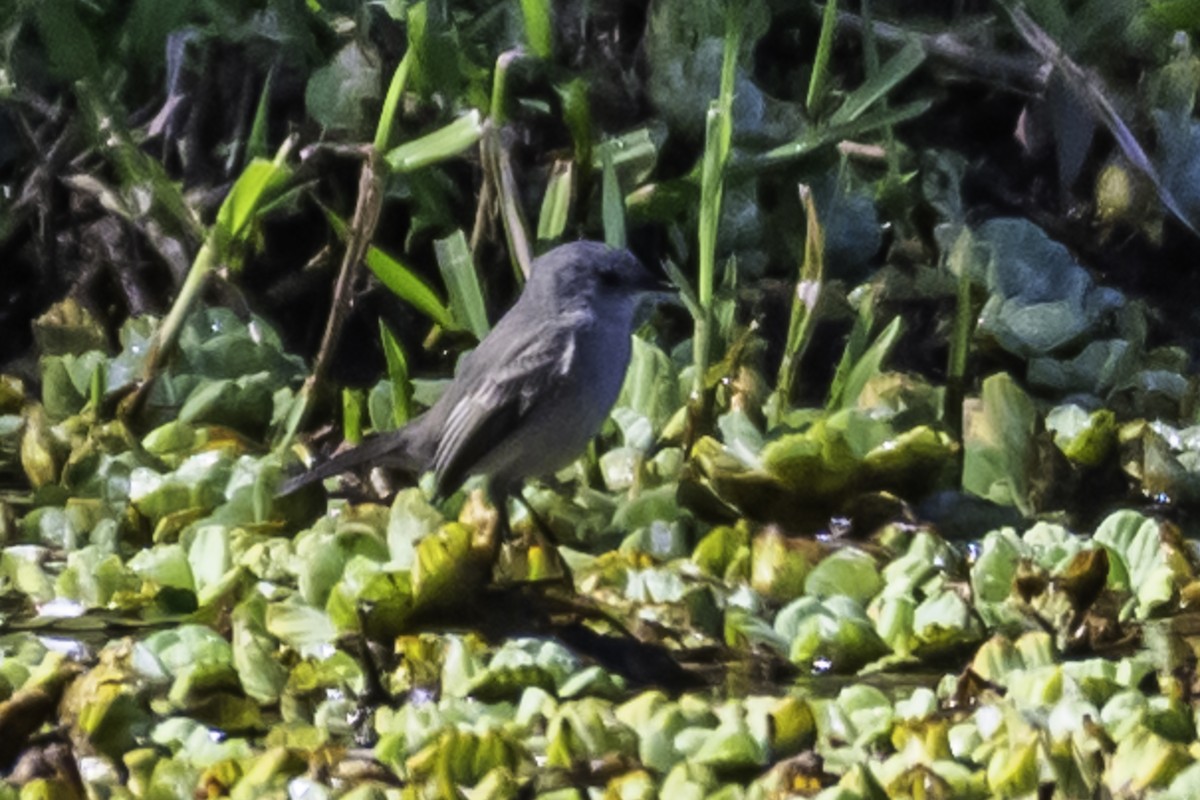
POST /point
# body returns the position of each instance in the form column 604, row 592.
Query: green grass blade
column 556, row 205
column 387, row 116
column 869, row 365
column 408, row 286
column 959, row 262
column 817, row 84
column 458, row 271
column 612, row 205
column 710, row 214
column 397, row 367
column 259, row 182
column 498, row 108
column 856, row 345
column 890, row 74
column 137, row 170
column 577, row 114
column 814, row 139
column 711, row 187
column 964, row 319
column 686, row 293
column 401, row 279
column 869, row 43
column 634, row 154
column 804, row 301
column 352, row 408
column 718, row 135
column 539, row 29
column 256, row 142
column 444, row 143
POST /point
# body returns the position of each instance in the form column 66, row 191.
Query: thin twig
column 954, row 49
column 362, row 230
column 1089, row 89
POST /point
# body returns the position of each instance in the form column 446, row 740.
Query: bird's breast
column 599, row 361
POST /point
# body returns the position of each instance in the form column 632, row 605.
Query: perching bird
column 530, row 397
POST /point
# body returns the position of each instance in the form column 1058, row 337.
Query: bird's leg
column 504, row 525
column 549, row 542
column 539, row 523
column 375, row 692
column 545, row 539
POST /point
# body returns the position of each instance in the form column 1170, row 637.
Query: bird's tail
column 392, row 449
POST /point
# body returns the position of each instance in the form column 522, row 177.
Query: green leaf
column 300, row 626
column 831, row 635
column 731, row 747
column 1144, row 760
column 1084, row 438
column 1013, row 770
column 717, row 549
column 67, row 38
column 944, row 621
column 852, row 353
column 254, row 652
column 244, row 404
column 998, row 443
column 66, row 381
column 439, row 64
column 210, row 556
column 651, row 387
column 340, row 95
column 995, row 566
column 380, row 407
column 1156, row 566
column 851, row 573
column 173, row 651
column 777, row 570
column 1042, row 301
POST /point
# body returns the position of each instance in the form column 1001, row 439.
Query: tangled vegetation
column 897, row 499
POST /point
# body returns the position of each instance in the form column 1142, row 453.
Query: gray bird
column 530, row 397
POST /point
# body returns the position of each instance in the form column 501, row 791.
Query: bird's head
column 591, row 275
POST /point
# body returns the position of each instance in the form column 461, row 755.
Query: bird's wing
column 492, row 408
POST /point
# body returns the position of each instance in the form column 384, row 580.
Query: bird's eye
column 609, row 278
